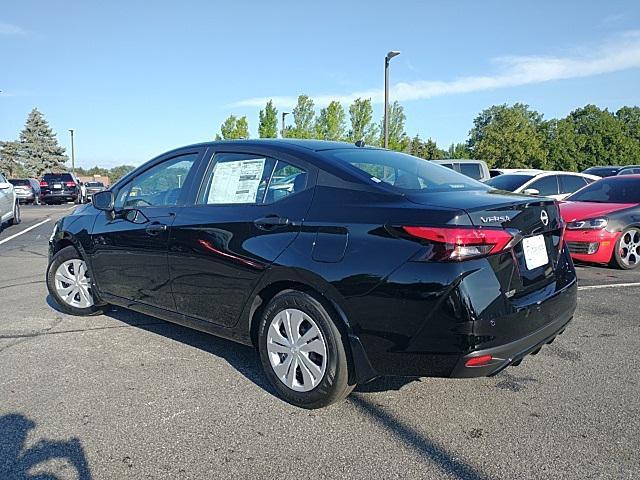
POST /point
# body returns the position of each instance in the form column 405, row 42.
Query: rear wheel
column 627, row 252
column 69, row 282
column 302, row 351
column 16, row 214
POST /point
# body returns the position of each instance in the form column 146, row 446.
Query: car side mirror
column 531, row 191
column 103, row 201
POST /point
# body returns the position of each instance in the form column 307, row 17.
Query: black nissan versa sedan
column 339, row 263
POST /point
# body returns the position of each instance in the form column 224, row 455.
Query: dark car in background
column 613, row 170
column 93, row 187
column 61, row 187
column 27, row 190
column 338, row 263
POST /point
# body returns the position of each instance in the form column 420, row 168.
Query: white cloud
column 616, row 54
column 8, row 29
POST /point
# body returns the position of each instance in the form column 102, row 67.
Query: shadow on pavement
column 17, row 462
column 426, row 448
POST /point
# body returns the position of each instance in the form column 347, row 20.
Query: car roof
column 313, row 145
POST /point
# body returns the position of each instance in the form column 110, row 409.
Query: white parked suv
column 556, row 185
column 9, row 205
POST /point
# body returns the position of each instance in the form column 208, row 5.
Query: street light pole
column 387, row 59
column 73, row 154
column 284, row 114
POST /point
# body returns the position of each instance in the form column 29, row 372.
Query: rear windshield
column 610, row 190
column 403, row 172
column 602, row 171
column 94, row 184
column 509, row 182
column 58, row 177
column 16, row 181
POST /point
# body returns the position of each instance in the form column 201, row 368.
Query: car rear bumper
column 595, row 246
column 59, row 197
column 25, row 196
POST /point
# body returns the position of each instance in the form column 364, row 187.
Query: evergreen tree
column 234, row 128
column 268, row 127
column 39, row 149
column 428, row 150
column 330, row 125
column 458, row 150
column 362, row 126
column 10, row 162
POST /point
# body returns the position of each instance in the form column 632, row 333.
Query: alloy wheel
column 73, row 284
column 629, row 248
column 297, row 350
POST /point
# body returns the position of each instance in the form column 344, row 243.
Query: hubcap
column 630, row 247
column 297, row 350
column 73, row 284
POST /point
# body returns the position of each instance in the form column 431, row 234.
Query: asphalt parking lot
column 124, row 395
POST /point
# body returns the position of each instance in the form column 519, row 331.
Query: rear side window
column 546, row 185
column 401, row 171
column 571, row 183
column 472, row 170
column 286, row 180
column 509, row 182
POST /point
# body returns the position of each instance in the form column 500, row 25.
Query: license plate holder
column 535, row 252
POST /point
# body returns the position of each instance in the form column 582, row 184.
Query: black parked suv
column 61, row 187
column 338, row 263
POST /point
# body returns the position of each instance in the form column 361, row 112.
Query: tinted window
column 401, row 171
column 610, row 190
column 94, row 184
column 448, row 165
column 571, row 183
column 629, row 171
column 158, row 186
column 472, row 170
column 508, row 182
column 58, row 177
column 286, row 180
column 546, row 185
column 602, row 171
column 237, row 178
column 19, row 182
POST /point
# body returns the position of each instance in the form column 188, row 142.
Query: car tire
column 626, row 254
column 16, row 214
column 74, row 298
column 320, row 373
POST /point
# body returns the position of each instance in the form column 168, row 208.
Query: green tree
column 39, row 149
column 268, row 126
column 458, row 150
column 303, row 119
column 398, row 139
column 509, row 137
column 362, row 125
column 234, row 128
column 428, row 150
column 116, row 173
column 630, row 118
column 330, row 125
column 10, row 162
column 591, row 136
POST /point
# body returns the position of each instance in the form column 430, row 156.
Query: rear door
column 570, row 184
column 248, row 209
column 130, row 248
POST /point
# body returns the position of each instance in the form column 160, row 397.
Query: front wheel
column 302, row 351
column 627, row 251
column 69, row 282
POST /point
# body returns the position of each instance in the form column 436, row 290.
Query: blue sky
column 135, row 80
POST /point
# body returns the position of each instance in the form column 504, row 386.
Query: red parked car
column 603, row 222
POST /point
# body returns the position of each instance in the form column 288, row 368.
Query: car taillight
column 70, row 184
column 461, row 243
column 44, row 184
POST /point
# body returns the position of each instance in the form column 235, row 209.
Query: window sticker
column 236, row 182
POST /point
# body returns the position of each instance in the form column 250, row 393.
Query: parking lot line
column 610, row 285
column 24, row 231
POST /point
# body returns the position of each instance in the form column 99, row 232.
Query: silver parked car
column 476, row 169
column 9, row 205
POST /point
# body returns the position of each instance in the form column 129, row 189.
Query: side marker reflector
column 478, row 361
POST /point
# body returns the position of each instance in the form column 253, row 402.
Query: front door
column 129, row 257
column 250, row 207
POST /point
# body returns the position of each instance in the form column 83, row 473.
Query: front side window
column 611, row 190
column 571, row 183
column 159, row 186
column 509, row 182
column 546, row 185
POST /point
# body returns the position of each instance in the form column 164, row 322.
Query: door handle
column 156, row 228
column 271, row 221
